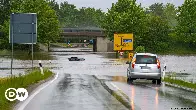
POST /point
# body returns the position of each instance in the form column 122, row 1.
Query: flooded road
column 74, row 92
column 144, row 96
column 76, row 88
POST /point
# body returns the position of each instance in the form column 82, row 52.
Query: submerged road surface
column 74, row 92
column 75, row 88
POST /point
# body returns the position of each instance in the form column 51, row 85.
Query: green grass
column 180, row 82
column 4, row 52
column 22, row 81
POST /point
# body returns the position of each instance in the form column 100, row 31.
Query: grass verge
column 180, row 82
column 20, row 82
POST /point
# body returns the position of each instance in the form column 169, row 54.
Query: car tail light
column 133, row 62
column 158, row 64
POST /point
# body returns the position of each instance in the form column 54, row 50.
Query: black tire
column 158, row 81
column 153, row 81
column 129, row 80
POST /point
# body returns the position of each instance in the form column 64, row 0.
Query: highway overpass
column 101, row 43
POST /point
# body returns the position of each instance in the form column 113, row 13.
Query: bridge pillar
column 102, row 44
column 94, row 45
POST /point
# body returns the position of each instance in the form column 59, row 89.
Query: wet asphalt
column 74, row 92
column 76, row 89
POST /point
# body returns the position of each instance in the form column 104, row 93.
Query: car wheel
column 153, row 81
column 129, row 80
column 159, row 81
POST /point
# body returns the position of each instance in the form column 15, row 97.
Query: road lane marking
column 35, row 93
column 121, row 91
column 115, row 86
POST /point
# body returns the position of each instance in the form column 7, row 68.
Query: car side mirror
column 127, row 62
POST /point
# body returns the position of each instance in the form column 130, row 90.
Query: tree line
column 159, row 27
column 51, row 17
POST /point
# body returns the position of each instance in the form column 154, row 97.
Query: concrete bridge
column 76, row 32
column 100, row 42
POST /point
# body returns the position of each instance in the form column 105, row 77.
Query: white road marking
column 35, row 93
column 115, row 86
column 120, row 91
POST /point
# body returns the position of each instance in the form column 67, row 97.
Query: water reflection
column 156, row 98
column 24, row 55
column 119, row 79
column 132, row 97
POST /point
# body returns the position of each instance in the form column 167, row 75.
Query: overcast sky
column 104, row 4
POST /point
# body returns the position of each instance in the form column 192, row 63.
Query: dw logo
column 12, row 94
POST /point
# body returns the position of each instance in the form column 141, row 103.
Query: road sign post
column 23, row 30
column 12, row 50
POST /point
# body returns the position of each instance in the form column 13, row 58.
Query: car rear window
column 145, row 59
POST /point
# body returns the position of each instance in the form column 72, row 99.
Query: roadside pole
column 12, row 48
column 164, row 69
column 32, row 42
column 40, row 66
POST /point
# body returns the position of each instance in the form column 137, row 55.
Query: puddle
column 119, row 79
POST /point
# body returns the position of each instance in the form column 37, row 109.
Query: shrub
column 140, row 49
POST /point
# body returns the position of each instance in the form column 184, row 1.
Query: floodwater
column 184, row 66
column 77, row 88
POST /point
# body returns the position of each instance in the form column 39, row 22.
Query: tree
column 156, row 9
column 4, row 40
column 48, row 25
column 55, row 6
column 157, row 38
column 186, row 29
column 170, row 13
column 68, row 15
column 89, row 17
column 84, row 17
column 5, row 8
column 126, row 17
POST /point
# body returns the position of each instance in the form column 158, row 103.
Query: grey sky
column 104, row 4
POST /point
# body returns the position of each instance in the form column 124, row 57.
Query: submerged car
column 144, row 66
column 76, row 59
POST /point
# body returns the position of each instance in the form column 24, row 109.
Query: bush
column 140, row 49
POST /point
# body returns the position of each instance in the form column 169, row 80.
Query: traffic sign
column 123, row 42
column 23, row 28
column 130, row 55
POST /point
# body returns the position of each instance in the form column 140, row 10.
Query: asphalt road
column 75, row 88
column 74, row 92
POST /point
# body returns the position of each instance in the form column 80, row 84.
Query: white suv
column 144, row 66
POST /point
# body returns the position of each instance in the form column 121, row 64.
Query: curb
column 180, row 87
column 121, row 97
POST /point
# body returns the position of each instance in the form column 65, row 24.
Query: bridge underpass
column 100, row 42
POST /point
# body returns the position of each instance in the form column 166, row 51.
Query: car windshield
column 145, row 59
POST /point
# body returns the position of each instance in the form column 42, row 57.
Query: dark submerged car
column 76, row 59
